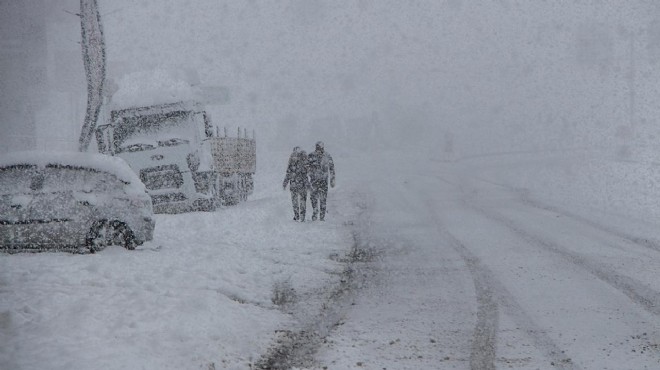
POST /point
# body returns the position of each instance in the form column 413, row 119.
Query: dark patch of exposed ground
column 296, row 348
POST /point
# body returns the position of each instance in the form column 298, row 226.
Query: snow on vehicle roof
column 95, row 161
column 150, row 87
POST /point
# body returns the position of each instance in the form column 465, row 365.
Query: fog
column 447, row 78
column 471, row 258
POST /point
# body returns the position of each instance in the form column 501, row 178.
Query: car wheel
column 122, row 235
column 98, row 237
column 104, row 233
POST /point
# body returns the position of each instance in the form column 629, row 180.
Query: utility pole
column 93, row 52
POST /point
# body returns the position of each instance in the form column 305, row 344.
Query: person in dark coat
column 321, row 168
column 298, row 181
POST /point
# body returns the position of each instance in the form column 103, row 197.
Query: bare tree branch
column 93, row 50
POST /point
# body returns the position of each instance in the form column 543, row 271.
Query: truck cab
column 172, row 148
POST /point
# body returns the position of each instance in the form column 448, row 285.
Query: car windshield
column 18, row 179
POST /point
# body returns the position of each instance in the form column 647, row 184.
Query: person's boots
column 302, row 217
column 314, row 216
column 296, row 216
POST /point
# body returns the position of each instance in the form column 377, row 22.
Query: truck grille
column 167, row 198
column 162, row 177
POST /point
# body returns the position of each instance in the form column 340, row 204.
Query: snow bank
column 199, row 296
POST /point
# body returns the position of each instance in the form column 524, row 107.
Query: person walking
column 298, row 181
column 321, row 168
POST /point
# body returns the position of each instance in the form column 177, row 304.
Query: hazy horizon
column 451, row 77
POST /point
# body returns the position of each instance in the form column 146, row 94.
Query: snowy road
column 478, row 275
column 492, row 263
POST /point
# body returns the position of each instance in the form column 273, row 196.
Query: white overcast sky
column 490, row 75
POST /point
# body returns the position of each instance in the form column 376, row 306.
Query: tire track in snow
column 635, row 290
column 653, row 245
column 484, row 337
column 296, row 348
column 491, row 294
column 525, row 199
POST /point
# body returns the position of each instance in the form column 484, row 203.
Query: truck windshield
column 172, row 142
column 136, row 147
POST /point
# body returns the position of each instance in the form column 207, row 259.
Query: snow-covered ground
column 509, row 261
column 536, row 258
column 504, row 261
column 201, row 294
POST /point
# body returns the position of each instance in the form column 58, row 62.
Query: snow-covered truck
column 182, row 159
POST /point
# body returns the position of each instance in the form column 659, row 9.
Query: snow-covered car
column 69, row 200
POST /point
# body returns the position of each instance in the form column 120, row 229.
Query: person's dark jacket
column 321, row 167
column 297, row 172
